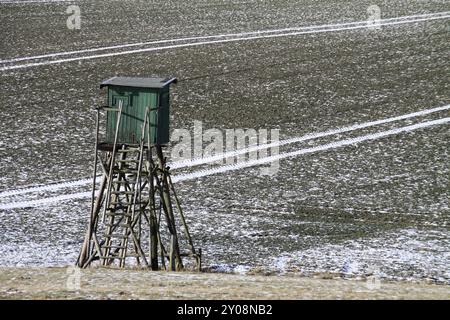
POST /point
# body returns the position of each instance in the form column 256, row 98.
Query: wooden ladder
column 123, row 205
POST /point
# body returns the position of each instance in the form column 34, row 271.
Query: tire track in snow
column 266, row 160
column 323, row 147
column 49, row 187
column 138, row 44
column 35, row 1
column 205, row 160
column 339, row 27
column 309, row 136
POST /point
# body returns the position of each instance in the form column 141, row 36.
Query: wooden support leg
column 175, row 262
column 153, row 240
column 92, row 227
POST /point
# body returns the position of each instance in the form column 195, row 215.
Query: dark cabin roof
column 154, row 83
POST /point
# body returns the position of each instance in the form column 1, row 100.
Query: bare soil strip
column 60, row 283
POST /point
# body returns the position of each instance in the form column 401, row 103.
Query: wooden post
column 86, row 248
column 154, row 230
column 174, row 251
column 113, row 157
column 153, row 221
column 183, row 220
column 85, row 257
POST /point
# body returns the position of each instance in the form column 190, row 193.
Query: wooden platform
column 105, row 146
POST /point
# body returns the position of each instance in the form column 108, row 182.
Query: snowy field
column 353, row 195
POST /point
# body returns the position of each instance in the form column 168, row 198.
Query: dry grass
column 51, row 283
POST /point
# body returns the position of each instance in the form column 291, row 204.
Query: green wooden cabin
column 138, row 94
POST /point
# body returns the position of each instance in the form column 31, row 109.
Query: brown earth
column 58, row 283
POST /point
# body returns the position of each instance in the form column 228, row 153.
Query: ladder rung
column 112, row 257
column 124, row 207
column 114, row 247
column 122, row 214
column 124, row 181
column 116, row 168
column 126, row 203
column 117, row 236
column 128, row 161
column 117, row 208
column 113, row 210
column 123, row 192
column 123, row 225
column 130, row 171
column 129, row 150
